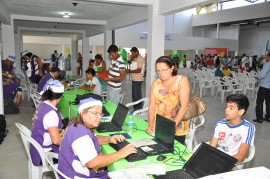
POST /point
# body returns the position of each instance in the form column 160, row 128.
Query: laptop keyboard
column 132, row 157
column 177, row 174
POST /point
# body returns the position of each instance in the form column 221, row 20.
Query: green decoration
column 123, row 54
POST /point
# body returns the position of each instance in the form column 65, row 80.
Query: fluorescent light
column 66, row 15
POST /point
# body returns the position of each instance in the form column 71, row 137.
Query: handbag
column 196, row 107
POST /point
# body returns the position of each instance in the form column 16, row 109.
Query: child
column 234, row 135
column 93, row 83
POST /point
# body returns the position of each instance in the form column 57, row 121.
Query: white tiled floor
column 13, row 164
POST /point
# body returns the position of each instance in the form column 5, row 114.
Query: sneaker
column 258, row 120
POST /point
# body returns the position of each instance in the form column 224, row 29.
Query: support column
column 74, row 56
column 217, row 36
column 85, row 53
column 8, row 40
column 107, row 43
column 1, row 91
column 197, row 52
column 94, row 51
column 18, row 50
column 235, row 53
column 155, row 42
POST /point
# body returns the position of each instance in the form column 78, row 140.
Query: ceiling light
column 66, row 15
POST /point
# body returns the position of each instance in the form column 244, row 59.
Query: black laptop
column 207, row 160
column 164, row 137
column 116, row 122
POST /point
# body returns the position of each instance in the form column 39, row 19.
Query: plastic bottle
column 130, row 128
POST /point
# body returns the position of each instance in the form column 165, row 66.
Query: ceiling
column 86, row 14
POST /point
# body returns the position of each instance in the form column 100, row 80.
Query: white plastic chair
column 191, row 140
column 122, row 95
column 238, row 166
column 49, row 157
column 141, row 113
column 35, row 172
column 36, row 99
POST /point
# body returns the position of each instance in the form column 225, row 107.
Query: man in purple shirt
column 54, row 74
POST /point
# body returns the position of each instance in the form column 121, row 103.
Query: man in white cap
column 11, row 84
column 36, row 66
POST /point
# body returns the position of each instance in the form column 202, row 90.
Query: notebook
column 164, row 137
column 207, row 160
column 116, row 122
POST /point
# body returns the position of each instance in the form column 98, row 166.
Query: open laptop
column 207, row 160
column 164, row 137
column 116, row 122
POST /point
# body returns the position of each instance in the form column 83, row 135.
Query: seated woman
column 47, row 124
column 80, row 155
column 11, row 84
column 93, row 83
column 218, row 72
column 226, row 71
column 98, row 65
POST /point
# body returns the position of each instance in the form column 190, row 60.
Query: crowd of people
column 79, row 149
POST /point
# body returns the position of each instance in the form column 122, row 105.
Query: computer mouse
column 161, row 158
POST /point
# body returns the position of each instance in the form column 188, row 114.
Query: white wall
column 253, row 39
column 46, row 40
column 231, row 32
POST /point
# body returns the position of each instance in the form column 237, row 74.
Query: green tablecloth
column 176, row 161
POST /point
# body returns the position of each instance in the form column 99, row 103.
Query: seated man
column 11, row 84
column 218, row 72
column 234, row 135
column 93, row 83
column 54, row 74
column 226, row 71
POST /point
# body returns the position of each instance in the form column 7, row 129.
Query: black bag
column 3, row 130
column 10, row 107
column 96, row 96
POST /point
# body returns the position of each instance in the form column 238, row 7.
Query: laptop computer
column 116, row 122
column 164, row 137
column 207, row 160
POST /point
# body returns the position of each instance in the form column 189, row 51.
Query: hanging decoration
column 123, row 53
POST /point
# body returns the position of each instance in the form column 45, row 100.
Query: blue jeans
column 137, row 94
column 113, row 94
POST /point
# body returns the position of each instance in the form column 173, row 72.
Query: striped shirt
column 114, row 71
column 231, row 137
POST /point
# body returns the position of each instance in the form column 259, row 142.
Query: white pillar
column 18, row 50
column 197, row 52
column 63, row 51
column 155, row 42
column 94, row 52
column 235, row 53
column 8, row 40
column 107, row 43
column 74, row 56
column 85, row 53
column 217, row 36
column 1, row 91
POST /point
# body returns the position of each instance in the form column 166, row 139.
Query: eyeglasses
column 162, row 70
column 95, row 113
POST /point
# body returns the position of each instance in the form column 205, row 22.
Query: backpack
column 3, row 130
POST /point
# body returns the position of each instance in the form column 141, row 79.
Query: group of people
column 79, row 149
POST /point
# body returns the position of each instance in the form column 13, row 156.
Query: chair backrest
column 49, row 157
column 36, row 99
column 27, row 140
column 122, row 95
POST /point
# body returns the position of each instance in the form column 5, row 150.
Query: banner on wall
column 213, row 51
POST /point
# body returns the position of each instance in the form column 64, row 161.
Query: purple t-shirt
column 69, row 163
column 43, row 81
column 6, row 68
column 39, row 132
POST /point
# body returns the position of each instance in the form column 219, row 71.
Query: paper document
column 143, row 142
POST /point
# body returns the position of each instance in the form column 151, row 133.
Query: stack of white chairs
column 141, row 113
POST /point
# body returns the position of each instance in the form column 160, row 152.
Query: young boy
column 93, row 83
column 234, row 135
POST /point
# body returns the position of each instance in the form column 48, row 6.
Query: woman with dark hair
column 98, row 65
column 47, row 124
column 80, row 155
column 169, row 97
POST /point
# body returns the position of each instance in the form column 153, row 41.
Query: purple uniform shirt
column 38, row 131
column 43, row 81
column 67, row 156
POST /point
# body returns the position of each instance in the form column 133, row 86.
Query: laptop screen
column 208, row 160
column 119, row 115
column 165, row 130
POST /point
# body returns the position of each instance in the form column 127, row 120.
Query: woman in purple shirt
column 80, row 155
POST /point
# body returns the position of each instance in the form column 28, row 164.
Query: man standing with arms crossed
column 116, row 74
column 137, row 72
column 264, row 91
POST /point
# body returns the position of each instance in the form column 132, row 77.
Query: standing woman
column 80, row 155
column 98, row 65
column 169, row 97
column 47, row 121
column 37, row 70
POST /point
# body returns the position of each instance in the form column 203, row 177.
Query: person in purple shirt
column 54, row 74
column 80, row 155
column 37, row 71
column 47, row 124
column 11, row 84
